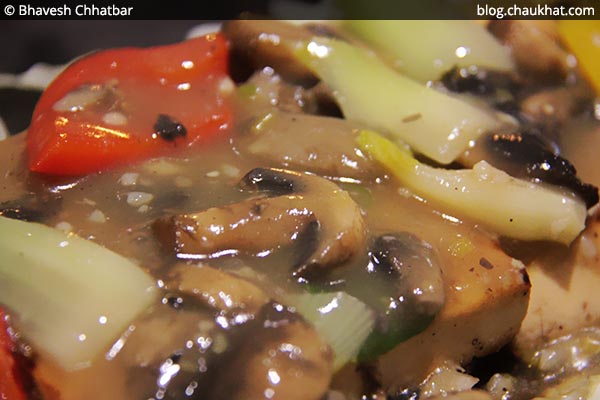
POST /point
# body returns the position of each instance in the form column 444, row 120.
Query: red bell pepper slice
column 119, row 106
column 10, row 385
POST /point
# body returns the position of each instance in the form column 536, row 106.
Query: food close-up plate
column 310, row 210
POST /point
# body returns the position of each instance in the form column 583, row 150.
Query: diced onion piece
column 424, row 50
column 577, row 386
column 447, row 378
column 71, row 297
column 341, row 319
column 487, row 195
column 372, row 93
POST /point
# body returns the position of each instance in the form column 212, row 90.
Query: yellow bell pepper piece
column 583, row 39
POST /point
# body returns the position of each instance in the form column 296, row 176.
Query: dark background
column 24, row 43
column 58, row 40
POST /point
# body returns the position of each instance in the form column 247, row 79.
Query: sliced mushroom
column 535, row 48
column 322, row 145
column 323, row 102
column 256, row 44
column 287, row 207
column 203, row 348
column 253, row 225
column 554, row 107
column 498, row 89
column 287, row 360
column 526, row 156
column 201, row 301
column 217, row 289
column 487, row 295
column 32, row 208
column 141, row 347
column 416, row 268
column 406, row 274
column 266, row 90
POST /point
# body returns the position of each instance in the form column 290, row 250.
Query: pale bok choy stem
column 70, row 297
column 425, row 50
column 506, row 205
column 342, row 320
column 378, row 97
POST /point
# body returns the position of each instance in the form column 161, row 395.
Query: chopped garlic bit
column 587, row 247
column 226, row 86
column 404, row 192
column 97, row 216
column 248, row 273
column 136, row 199
column 226, row 170
column 114, row 118
column 335, row 395
column 501, row 386
column 460, row 246
column 129, row 179
column 88, row 202
column 183, row 182
column 219, row 344
column 205, row 28
column 162, row 167
column 230, row 171
column 80, row 98
column 517, row 263
column 143, row 208
column 64, row 226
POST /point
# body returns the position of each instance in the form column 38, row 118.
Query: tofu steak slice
column 487, row 294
